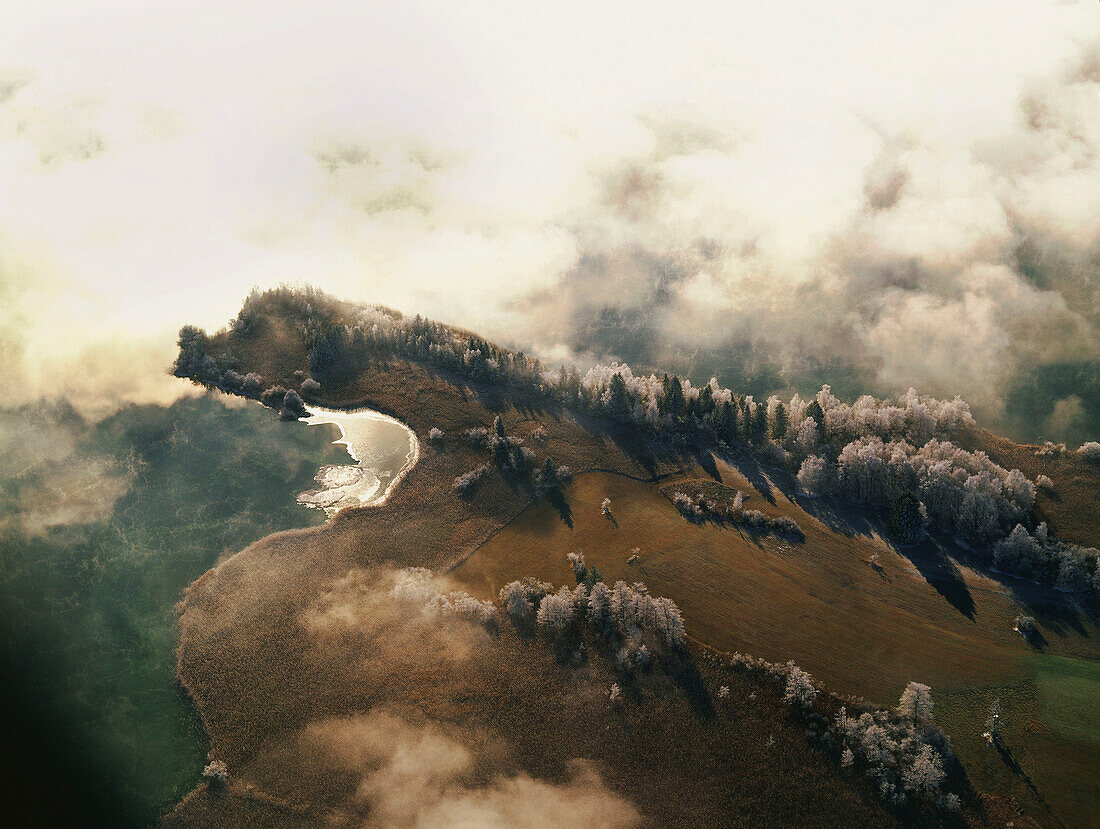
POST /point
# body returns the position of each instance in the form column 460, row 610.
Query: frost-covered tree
column 1071, row 568
column 555, row 613
column 1090, row 451
column 550, row 477
column 216, row 773
column 916, row 701
column 669, row 622
column 800, row 687
column 435, row 435
column 576, row 563
column 516, row 602
column 815, row 475
column 924, row 775
column 600, row 615
column 615, row 695
column 466, row 483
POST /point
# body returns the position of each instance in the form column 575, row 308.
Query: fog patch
column 48, row 476
column 416, row 775
column 404, row 627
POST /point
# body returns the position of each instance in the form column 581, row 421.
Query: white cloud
column 748, row 170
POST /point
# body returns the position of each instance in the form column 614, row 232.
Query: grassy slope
column 863, row 630
column 256, row 677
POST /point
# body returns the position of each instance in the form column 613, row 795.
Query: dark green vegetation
column 101, row 527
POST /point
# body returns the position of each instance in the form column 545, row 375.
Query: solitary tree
column 216, row 773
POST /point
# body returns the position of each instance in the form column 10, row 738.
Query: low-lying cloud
column 416, row 775
column 49, row 475
column 871, row 197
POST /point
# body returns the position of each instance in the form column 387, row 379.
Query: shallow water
column 383, row 449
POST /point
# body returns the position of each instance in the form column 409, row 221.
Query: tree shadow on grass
column 753, row 473
column 556, row 499
column 839, row 517
column 941, row 572
column 684, row 672
column 1059, row 612
column 1009, row 759
column 705, row 460
column 1036, row 640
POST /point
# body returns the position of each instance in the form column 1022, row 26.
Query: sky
column 872, row 194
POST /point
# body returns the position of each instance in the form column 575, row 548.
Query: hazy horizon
column 872, row 196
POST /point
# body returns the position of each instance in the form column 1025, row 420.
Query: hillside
column 292, row 659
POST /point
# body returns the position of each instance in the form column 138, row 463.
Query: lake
column 384, row 450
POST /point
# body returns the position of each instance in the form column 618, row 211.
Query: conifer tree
column 779, row 422
column 619, row 399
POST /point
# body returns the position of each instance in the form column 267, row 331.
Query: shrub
column 252, row 385
column 293, row 407
column 216, row 773
column 435, row 435
column 1090, row 451
column 1025, row 625
column 273, row 397
column 467, row 482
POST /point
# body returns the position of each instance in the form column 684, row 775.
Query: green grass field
column 89, row 631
